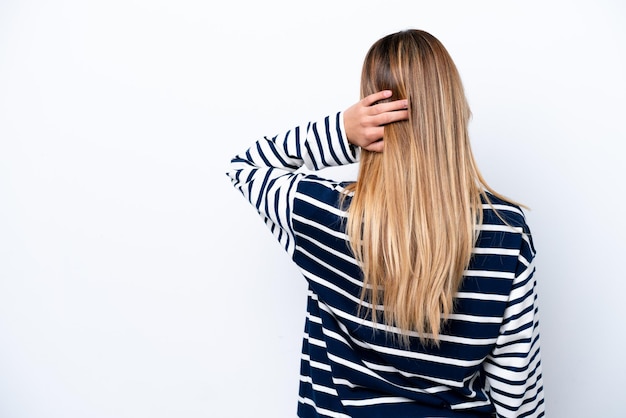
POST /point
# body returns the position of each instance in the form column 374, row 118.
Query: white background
column 135, row 282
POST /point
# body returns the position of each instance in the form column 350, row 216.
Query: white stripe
column 525, row 274
column 471, row 385
column 519, row 307
column 325, row 143
column 514, row 349
column 315, row 364
column 518, row 393
column 267, row 149
column 443, row 384
column 337, row 289
column 473, row 404
column 345, row 382
column 322, row 411
column 522, row 290
column 321, row 205
column 331, row 267
column 314, row 319
column 398, row 352
column 502, row 207
column 375, row 401
column 447, row 384
column 523, row 260
column 500, row 228
column 510, row 375
column 495, row 251
column 477, row 319
column 320, row 227
column 400, row 399
column 365, row 370
column 482, row 296
column 330, row 250
column 488, row 273
column 315, row 341
column 395, row 330
column 318, row 388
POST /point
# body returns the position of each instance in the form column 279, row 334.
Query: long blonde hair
column 413, row 216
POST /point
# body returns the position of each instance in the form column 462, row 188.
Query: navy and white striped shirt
column 488, row 360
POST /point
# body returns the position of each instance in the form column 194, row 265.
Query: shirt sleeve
column 266, row 174
column 513, row 369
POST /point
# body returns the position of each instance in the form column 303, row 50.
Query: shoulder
column 320, row 209
column 329, row 192
column 506, row 219
column 498, row 211
column 317, row 197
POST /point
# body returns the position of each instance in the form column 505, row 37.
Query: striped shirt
column 488, row 361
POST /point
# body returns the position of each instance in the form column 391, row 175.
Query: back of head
column 416, row 66
column 412, row 218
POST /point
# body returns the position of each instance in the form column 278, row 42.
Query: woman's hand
column 364, row 121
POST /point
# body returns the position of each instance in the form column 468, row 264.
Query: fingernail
column 387, row 93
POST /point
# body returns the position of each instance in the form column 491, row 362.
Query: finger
column 377, row 146
column 390, row 117
column 374, row 134
column 392, row 106
column 375, row 97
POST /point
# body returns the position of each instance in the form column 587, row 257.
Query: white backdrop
column 135, row 282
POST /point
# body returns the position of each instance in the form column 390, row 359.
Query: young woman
column 422, row 299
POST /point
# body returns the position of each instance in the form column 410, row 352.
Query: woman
column 422, row 299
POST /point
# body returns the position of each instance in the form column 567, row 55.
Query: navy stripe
column 266, row 179
column 346, row 153
column 320, row 147
column 308, row 149
column 329, row 136
column 298, row 150
column 262, row 155
column 278, row 156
